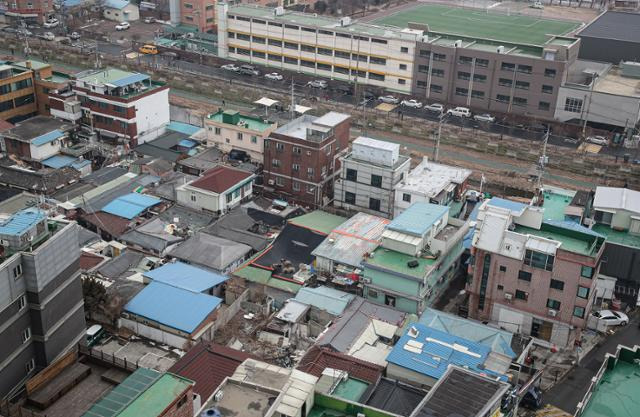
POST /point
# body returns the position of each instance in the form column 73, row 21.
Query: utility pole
column 543, row 161
column 586, row 116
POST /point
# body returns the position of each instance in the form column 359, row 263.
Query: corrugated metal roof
column 418, row 218
column 80, row 164
column 116, row 4
column 47, row 137
column 59, row 161
column 173, row 307
column 513, row 206
column 185, row 276
column 435, row 350
column 292, row 311
column 21, row 221
column 325, row 298
column 103, row 188
column 133, row 78
column 318, row 220
column 130, row 205
column 185, row 128
column 617, row 198
column 186, row 143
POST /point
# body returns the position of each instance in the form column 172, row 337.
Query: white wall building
column 120, row 11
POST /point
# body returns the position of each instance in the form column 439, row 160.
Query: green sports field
column 477, row 23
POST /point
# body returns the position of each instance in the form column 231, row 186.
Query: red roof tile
column 317, row 359
column 89, row 260
column 4, row 125
column 111, row 224
column 220, row 179
column 208, row 364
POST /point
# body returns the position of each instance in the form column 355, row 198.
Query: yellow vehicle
column 148, row 49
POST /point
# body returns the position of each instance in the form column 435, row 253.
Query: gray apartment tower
column 41, row 304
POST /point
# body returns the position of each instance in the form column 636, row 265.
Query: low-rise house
column 200, row 163
column 120, row 11
column 230, row 130
column 326, row 303
column 418, row 256
column 434, row 183
column 218, row 190
column 240, row 226
column 130, row 206
column 36, row 139
column 155, row 237
column 369, row 175
column 212, row 252
column 187, row 277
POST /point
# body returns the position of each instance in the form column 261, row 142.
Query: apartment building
column 322, row 46
column 368, row 176
column 29, row 11
column 229, row 129
column 530, row 275
column 301, row 157
column 120, row 105
column 41, row 304
column 17, row 93
column 198, row 13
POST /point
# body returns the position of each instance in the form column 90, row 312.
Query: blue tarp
column 130, row 205
column 185, row 276
column 185, row 128
column 47, row 137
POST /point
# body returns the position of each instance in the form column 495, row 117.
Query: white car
column 598, row 140
column 485, row 117
column 414, row 104
column 435, row 107
column 317, row 84
column 612, row 318
column 123, row 26
column 537, row 5
column 459, row 112
column 149, row 20
column 48, row 36
column 75, row 36
column 274, row 76
column 230, row 67
column 389, row 99
column 51, row 23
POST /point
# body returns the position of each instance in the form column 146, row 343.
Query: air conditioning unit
column 508, row 296
column 458, row 43
column 366, row 280
column 4, row 242
column 552, row 313
column 271, row 182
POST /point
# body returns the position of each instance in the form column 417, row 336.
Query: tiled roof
column 114, row 225
column 208, row 364
column 317, row 359
column 220, row 179
column 89, row 260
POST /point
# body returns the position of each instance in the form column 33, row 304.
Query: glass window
column 342, row 54
column 573, row 105
column 554, row 304
column 525, row 69
column 376, row 180
column 374, row 204
column 435, row 88
column 522, row 85
column 437, row 72
column 307, row 48
column 275, row 57
column 274, row 42
column 404, row 50
column 557, row 284
column 505, row 82
column 586, row 272
column 291, row 45
column 477, row 94
column 486, row 266
column 519, row 101
column 289, row 60
column 406, row 197
column 439, row 57
column 402, row 81
column 324, row 67
column 502, row 98
column 258, row 39
column 578, row 311
column 524, row 275
column 583, row 292
column 462, row 91
column 382, row 61
column 325, row 51
column 377, row 77
column 482, row 63
column 506, row 66
column 551, row 73
column 479, row 78
column 352, row 174
column 464, row 75
column 544, row 105
column 293, row 27
column 503, row 268
column 465, row 60
column 349, row 198
column 547, row 89
column 521, row 295
column 403, row 66
column 538, row 260
column 296, row 186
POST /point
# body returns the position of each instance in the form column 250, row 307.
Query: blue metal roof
column 133, row 78
column 130, row 205
column 513, row 206
column 496, row 339
column 47, row 137
column 325, row 298
column 116, row 4
column 173, row 307
column 418, row 218
column 185, row 276
column 59, row 161
column 21, row 221
column 185, row 128
column 186, row 143
column 80, row 164
column 570, row 225
column 438, row 351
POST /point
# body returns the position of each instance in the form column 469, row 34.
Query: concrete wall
column 203, row 200
column 152, row 115
column 154, row 334
column 228, row 139
column 613, row 109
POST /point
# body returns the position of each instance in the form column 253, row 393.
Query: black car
column 347, row 90
column 238, row 155
column 532, row 400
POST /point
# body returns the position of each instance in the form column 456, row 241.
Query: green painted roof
column 554, row 204
column 262, row 276
column 158, row 397
column 397, row 262
column 318, row 220
column 252, row 123
column 36, row 65
column 619, row 237
column 571, row 241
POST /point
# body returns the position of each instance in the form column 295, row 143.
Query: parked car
column 472, row 195
column 532, row 400
column 414, row 104
column 94, row 334
column 170, row 54
column 485, row 117
column 368, row 95
column 274, row 76
column 238, row 155
column 459, row 112
column 612, row 318
column 75, row 36
column 537, row 5
column 248, row 70
column 230, row 67
column 435, row 107
column 389, row 99
column 24, row 32
column 347, row 90
column 123, row 26
column 149, row 19
column 51, row 23
column 148, row 49
column 598, row 140
column 570, row 140
column 318, row 84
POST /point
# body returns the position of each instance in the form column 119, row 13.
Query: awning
column 387, row 107
column 266, row 101
column 302, row 109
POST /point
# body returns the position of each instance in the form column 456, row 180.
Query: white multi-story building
column 368, row 176
column 337, row 48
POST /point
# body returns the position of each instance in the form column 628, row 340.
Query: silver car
column 598, row 140
column 389, row 99
column 317, row 84
column 485, row 117
column 435, row 107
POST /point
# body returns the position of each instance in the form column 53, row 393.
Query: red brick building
column 301, row 157
column 31, row 11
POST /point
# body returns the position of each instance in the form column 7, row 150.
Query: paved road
column 567, row 394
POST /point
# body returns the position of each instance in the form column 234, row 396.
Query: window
column 374, row 204
column 279, row 25
column 296, row 186
column 544, row 105
column 274, row 42
column 586, row 272
column 486, row 266
column 439, row 57
column 296, row 150
column 259, row 39
column 463, row 75
column 547, row 89
column 377, row 77
column 24, row 100
column 462, row 91
column 324, row 67
column 425, row 54
column 5, row 89
column 578, row 311
column 325, row 51
column 538, row 260
column 289, row 60
column 505, row 82
column 484, row 63
column 293, row 27
column 502, row 98
column 295, row 167
column 19, row 85
column 372, row 293
column 402, row 81
column 603, row 217
column 381, row 41
column 554, row 304
column 194, row 198
column 310, row 30
column 242, row 51
column 291, row 45
column 556, row 284
column 583, row 292
column 479, row 78
column 311, row 189
column 435, row 88
column 361, row 58
column 524, row 275
column 519, row 101
column 382, row 61
column 182, row 401
column 29, row 366
column 6, row 105
column 406, row 197
column 309, row 64
column 376, row 180
column 279, row 147
column 349, row 198
column 521, row 295
column 506, row 66
column 359, row 73
column 423, row 68
column 231, row 35
column 503, row 268
column 465, row 60
column 403, row 66
column 343, row 35
column 477, row 94
column 307, row 48
column 525, row 69
column 229, row 197
column 22, row 302
column 325, row 32
column 500, row 287
column 404, row 50
column 422, row 85
column 17, row 271
column 26, row 335
column 551, row 73
column 342, row 54
column 310, row 172
column 573, row 105
column 210, row 7
column 522, row 85
column 243, row 37
column 239, row 136
column 280, row 181
column 275, row 163
column 437, row 72
column 352, row 174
